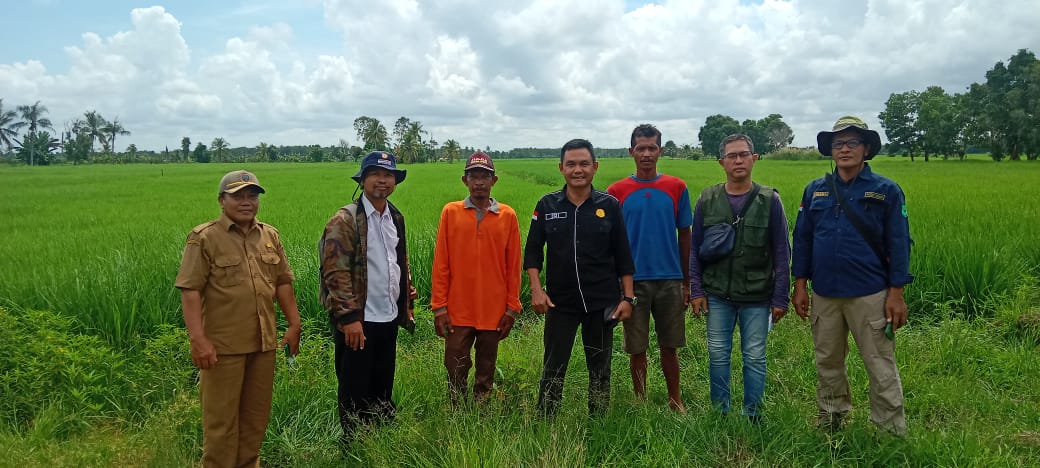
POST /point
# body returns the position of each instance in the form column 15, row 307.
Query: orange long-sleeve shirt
column 476, row 266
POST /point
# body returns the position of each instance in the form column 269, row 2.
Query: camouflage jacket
column 343, row 267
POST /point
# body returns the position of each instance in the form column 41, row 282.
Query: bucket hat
column 870, row 137
column 382, row 159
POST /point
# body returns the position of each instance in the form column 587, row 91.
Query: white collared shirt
column 384, row 274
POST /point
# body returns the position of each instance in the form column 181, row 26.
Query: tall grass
column 102, row 244
column 970, row 399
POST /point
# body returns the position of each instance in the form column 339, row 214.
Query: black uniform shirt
column 587, row 250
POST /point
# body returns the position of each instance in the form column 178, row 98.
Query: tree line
column 1001, row 115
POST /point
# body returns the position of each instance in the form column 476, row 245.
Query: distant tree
column 186, row 148
column 201, row 153
column 430, row 148
column 356, row 152
column 131, row 153
column 776, row 134
column 218, row 147
column 36, row 148
column 92, row 124
column 899, row 120
column 400, row 129
column 451, row 150
column 76, row 146
column 8, row 127
column 716, row 127
column 670, row 149
column 938, row 124
column 264, row 152
column 166, row 154
column 371, row 132
column 342, row 150
column 754, row 129
column 316, row 154
column 33, row 119
column 111, row 130
column 412, row 148
column 1008, row 106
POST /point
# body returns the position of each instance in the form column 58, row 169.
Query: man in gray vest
column 746, row 286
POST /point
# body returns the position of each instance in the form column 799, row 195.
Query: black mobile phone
column 608, row 315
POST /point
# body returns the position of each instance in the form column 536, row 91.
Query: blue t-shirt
column 654, row 209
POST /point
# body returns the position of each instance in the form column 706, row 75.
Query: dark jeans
column 366, row 376
column 597, row 338
column 457, row 349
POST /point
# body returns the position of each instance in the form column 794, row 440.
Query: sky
column 498, row 74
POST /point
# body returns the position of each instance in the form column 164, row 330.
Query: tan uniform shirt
column 236, row 274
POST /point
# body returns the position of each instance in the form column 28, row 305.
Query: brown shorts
column 663, row 299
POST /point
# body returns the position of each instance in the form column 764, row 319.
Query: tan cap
column 237, row 180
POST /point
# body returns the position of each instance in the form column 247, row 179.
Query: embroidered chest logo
column 558, row 215
column 600, row 213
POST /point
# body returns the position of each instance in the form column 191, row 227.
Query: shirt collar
column 370, row 210
column 864, row 174
column 226, row 223
column 468, row 203
column 562, row 194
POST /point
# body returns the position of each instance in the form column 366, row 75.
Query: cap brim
column 482, row 168
column 247, row 184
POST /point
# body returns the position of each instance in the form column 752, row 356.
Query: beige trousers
column 236, row 405
column 832, row 319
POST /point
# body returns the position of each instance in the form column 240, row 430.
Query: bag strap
column 857, row 222
column 755, row 188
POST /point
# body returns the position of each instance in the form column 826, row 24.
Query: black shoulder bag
column 719, row 239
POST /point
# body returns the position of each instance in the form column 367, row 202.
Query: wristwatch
column 628, row 299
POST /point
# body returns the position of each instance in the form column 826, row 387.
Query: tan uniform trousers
column 832, row 320
column 236, row 405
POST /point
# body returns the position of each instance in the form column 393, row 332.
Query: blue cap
column 382, row 159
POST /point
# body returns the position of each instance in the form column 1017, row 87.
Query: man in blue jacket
column 852, row 241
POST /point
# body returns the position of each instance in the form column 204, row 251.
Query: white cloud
column 531, row 73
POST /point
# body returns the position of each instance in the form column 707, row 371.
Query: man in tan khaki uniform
column 231, row 271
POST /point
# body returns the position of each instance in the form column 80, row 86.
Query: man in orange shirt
column 476, row 280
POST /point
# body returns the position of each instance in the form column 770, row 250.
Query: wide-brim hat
column 380, row 159
column 824, row 138
column 237, row 180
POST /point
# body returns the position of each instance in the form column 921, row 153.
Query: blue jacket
column 829, row 251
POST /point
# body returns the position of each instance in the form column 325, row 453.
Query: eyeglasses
column 741, row 155
column 851, row 143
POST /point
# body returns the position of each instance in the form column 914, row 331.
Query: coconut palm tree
column 111, row 129
column 33, row 118
column 92, row 124
column 218, row 146
column 451, row 150
column 8, row 127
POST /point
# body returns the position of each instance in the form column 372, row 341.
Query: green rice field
column 96, row 372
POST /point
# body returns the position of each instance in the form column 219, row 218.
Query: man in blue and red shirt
column 658, row 217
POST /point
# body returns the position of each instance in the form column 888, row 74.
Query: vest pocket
column 759, row 280
column 228, row 271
